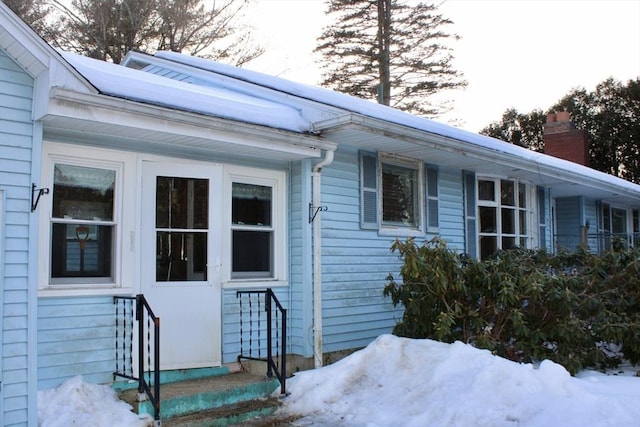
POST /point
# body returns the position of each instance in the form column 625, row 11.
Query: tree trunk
column 384, row 42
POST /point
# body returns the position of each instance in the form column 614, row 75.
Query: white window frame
column 277, row 181
column 124, row 200
column 397, row 229
column 530, row 213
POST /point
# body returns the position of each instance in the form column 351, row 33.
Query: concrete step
column 218, row 400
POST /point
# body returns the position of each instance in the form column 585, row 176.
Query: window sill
column 400, row 232
column 256, row 283
column 68, row 291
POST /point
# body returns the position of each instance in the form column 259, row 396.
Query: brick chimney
column 563, row 140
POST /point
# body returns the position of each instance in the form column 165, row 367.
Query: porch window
column 502, row 215
column 252, row 231
column 83, row 226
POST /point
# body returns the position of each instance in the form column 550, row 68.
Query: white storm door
column 181, row 220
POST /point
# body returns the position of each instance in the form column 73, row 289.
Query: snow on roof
column 232, row 103
column 115, row 80
column 392, row 115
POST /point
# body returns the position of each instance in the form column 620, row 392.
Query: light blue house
column 185, row 180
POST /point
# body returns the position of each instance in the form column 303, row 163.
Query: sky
column 523, row 54
column 405, row 382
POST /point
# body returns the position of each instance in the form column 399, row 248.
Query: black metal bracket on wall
column 313, row 211
column 35, row 199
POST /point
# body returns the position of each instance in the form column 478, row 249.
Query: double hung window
column 394, row 195
column 257, row 220
column 252, row 231
column 83, row 226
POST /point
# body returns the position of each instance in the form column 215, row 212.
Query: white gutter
column 317, row 258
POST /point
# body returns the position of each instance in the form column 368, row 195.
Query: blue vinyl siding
column 231, row 322
column 300, row 277
column 451, row 208
column 568, row 221
column 355, row 263
column 76, row 336
column 16, row 141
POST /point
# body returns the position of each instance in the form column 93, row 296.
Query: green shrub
column 577, row 309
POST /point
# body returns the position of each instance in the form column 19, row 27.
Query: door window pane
column 182, row 203
column 181, row 257
column 182, row 222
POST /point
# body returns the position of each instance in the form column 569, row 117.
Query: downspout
column 317, row 259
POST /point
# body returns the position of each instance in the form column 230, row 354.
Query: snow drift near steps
column 399, row 381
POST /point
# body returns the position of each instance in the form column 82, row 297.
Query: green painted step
column 210, row 393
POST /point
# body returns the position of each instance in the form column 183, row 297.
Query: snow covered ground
column 404, row 382
column 77, row 403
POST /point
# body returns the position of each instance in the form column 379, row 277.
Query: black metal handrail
column 252, row 328
column 149, row 380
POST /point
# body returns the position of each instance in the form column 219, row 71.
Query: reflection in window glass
column 400, row 195
column 507, row 196
column 486, row 190
column 181, row 257
column 182, row 202
column 83, row 193
column 251, row 204
column 81, row 250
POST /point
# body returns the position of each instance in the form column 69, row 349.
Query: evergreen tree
column 390, row 51
column 610, row 115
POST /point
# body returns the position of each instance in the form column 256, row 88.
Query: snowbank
column 76, row 403
column 398, row 381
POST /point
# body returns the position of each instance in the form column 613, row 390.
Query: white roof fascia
column 123, row 112
column 514, row 156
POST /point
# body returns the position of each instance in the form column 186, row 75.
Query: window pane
column 523, row 222
column 182, row 203
column 618, row 220
column 486, row 190
column 252, row 254
column 508, row 221
column 508, row 243
column 488, row 246
column 251, row 204
column 181, row 257
column 81, row 250
column 507, row 196
column 522, row 195
column 399, row 195
column 83, row 193
column 488, row 223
